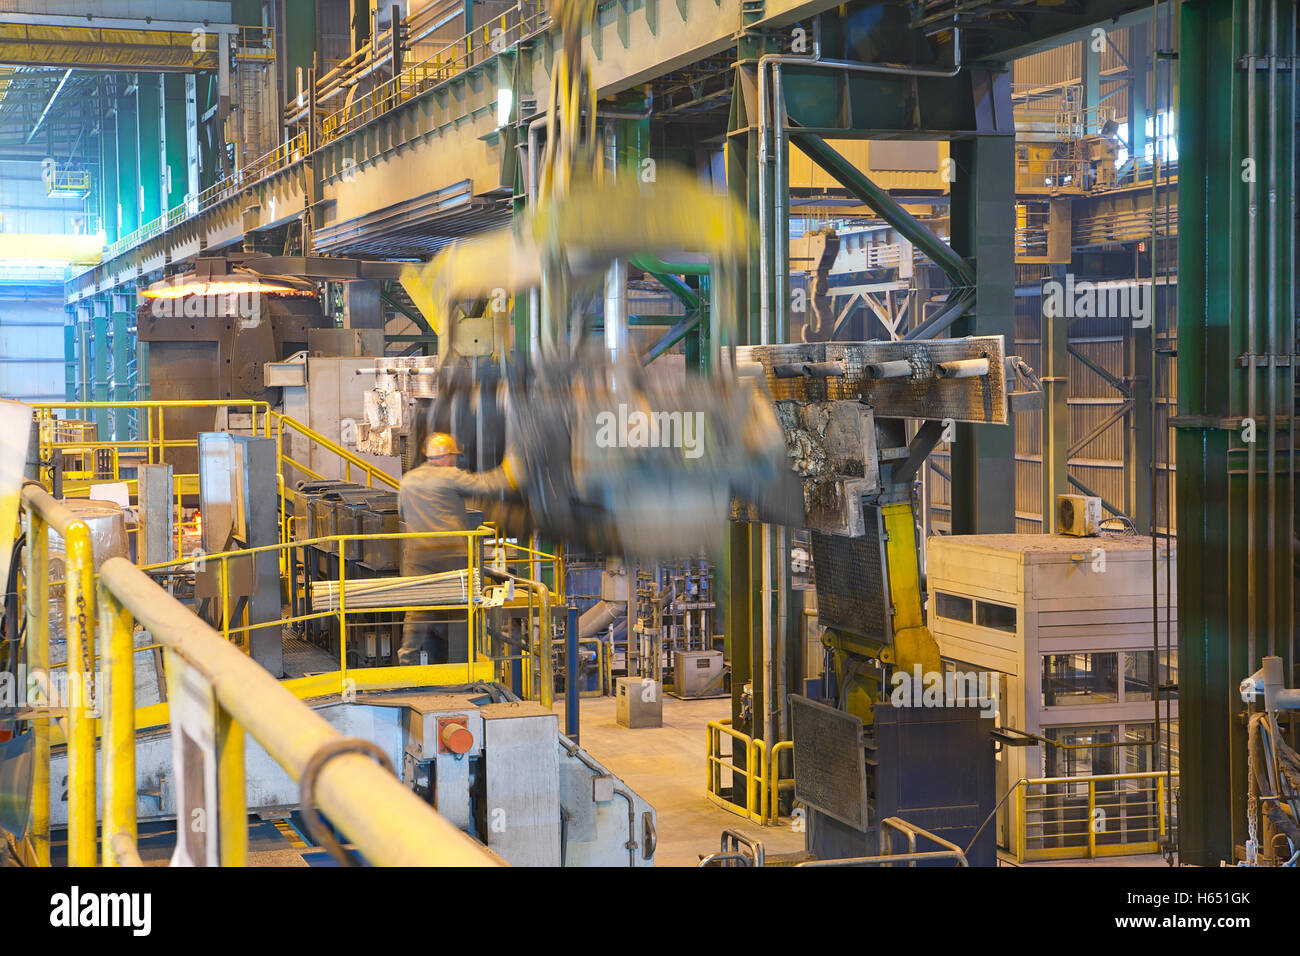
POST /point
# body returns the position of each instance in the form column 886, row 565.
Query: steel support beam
column 128, row 163
column 174, row 145
column 983, row 231
column 1236, row 334
column 149, row 123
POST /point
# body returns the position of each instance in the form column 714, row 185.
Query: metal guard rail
column 1081, row 841
column 387, row 822
column 762, row 787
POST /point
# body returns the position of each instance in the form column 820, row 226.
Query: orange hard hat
column 439, row 444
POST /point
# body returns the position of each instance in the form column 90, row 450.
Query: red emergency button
column 454, row 736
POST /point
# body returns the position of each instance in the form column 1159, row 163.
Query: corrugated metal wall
column 1100, row 464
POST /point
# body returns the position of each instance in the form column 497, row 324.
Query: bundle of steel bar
column 445, row 587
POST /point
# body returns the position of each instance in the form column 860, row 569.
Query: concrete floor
column 666, row 766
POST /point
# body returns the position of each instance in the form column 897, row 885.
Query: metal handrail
column 386, row 821
column 1156, row 821
column 755, row 807
column 950, row 850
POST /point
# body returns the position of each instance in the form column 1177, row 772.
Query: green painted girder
column 149, row 103
column 175, row 141
column 1216, row 598
column 128, row 164
column 845, row 104
column 983, row 230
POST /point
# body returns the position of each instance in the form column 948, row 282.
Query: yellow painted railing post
column 225, row 598
column 79, row 590
column 469, row 608
column 118, row 703
column 232, row 806
column 1160, row 809
column 1091, row 821
column 343, row 628
column 38, row 677
column 1021, row 823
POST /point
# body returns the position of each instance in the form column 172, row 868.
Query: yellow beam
column 55, row 247
column 99, row 47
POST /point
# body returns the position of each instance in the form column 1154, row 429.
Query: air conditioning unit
column 1078, row 515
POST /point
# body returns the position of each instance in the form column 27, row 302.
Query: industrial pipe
column 963, row 368
column 899, row 368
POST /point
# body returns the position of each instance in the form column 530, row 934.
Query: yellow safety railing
column 761, row 785
column 384, row 819
column 1092, row 816
column 355, row 468
column 152, row 447
column 478, row 665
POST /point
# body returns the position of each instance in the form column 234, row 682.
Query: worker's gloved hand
column 512, row 467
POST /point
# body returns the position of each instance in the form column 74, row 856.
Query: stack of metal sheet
column 446, row 587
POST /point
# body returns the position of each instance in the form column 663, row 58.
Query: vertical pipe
column 38, row 669
column 1273, row 319
column 616, row 336
column 79, row 617
column 1291, row 348
column 117, row 628
column 1251, row 277
column 232, row 807
column 571, row 675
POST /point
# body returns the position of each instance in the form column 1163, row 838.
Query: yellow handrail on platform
column 386, row 821
column 1054, row 820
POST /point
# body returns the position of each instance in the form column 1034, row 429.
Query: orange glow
column 222, row 288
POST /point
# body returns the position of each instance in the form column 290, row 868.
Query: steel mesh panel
column 850, row 580
column 829, row 761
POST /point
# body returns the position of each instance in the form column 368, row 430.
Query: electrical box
column 697, row 674
column 640, row 702
column 1078, row 515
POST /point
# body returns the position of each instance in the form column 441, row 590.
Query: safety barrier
column 501, row 32
column 153, row 446
column 386, row 821
column 886, row 857
column 760, row 773
column 1093, row 816
column 150, row 447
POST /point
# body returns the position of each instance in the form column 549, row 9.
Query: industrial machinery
column 928, row 759
column 496, row 766
column 1273, row 781
column 211, row 331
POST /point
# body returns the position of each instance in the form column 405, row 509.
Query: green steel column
column 108, row 192
column 123, row 371
column 150, row 155
column 175, row 142
column 211, row 138
column 739, row 589
column 70, row 356
column 299, row 32
column 983, row 231
column 1220, row 595
column 99, row 367
column 128, row 164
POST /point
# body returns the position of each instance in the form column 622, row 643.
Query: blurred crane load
column 607, row 456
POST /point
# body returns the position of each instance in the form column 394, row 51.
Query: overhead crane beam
column 101, row 44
